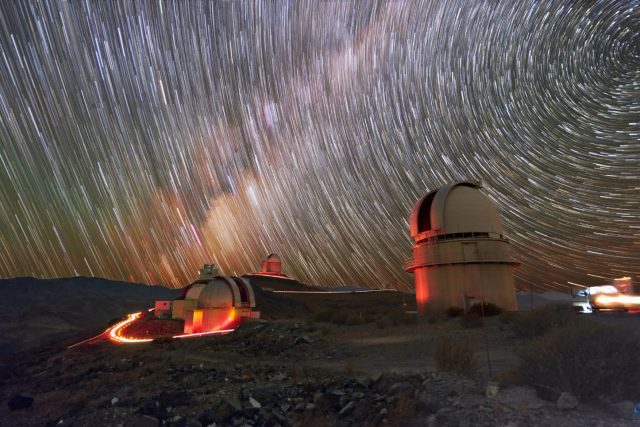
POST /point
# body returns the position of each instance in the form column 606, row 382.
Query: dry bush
column 399, row 317
column 586, row 358
column 538, row 322
column 455, row 357
column 454, row 312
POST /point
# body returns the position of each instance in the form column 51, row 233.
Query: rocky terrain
column 283, row 372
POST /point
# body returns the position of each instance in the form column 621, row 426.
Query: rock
column 302, row 340
column 226, row 409
column 336, row 392
column 380, row 382
column 254, row 403
column 114, row 401
column 20, row 401
column 267, row 394
column 567, row 401
column 285, row 406
column 492, row 389
column 357, row 395
column 347, row 409
column 310, row 407
column 383, row 411
column 299, row 407
column 401, row 388
column 376, row 377
column 142, row 421
column 321, row 401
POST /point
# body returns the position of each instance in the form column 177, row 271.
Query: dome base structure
column 460, row 255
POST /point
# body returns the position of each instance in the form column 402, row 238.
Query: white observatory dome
column 455, row 208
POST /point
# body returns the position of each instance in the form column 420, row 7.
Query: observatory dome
column 194, row 291
column 216, row 294
column 456, row 208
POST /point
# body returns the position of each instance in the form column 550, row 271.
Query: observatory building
column 211, row 303
column 460, row 255
column 272, row 266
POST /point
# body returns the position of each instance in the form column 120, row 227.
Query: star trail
column 139, row 140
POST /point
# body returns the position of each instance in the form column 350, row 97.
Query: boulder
column 226, row 409
column 567, row 401
column 253, row 403
column 402, row 388
column 302, row 340
column 347, row 409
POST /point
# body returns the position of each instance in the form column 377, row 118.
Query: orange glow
column 115, row 332
column 223, row 327
column 422, row 289
column 197, row 321
column 200, row 334
column 618, row 300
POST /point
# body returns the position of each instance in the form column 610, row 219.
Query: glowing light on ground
column 201, row 334
column 115, row 332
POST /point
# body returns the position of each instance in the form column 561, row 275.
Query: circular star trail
column 139, row 140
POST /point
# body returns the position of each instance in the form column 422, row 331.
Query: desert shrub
column 337, row 317
column 486, row 309
column 471, row 320
column 353, row 319
column 538, row 322
column 454, row 312
column 399, row 317
column 455, row 357
column 588, row 359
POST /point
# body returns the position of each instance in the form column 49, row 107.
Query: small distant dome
column 272, row 265
column 456, row 208
column 216, row 294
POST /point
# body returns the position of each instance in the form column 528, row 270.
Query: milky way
column 141, row 139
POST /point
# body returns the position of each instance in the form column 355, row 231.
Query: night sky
column 140, row 139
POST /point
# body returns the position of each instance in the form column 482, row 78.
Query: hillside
column 36, row 311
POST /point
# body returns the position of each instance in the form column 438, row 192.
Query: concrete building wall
column 181, row 306
column 462, row 285
column 211, row 319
